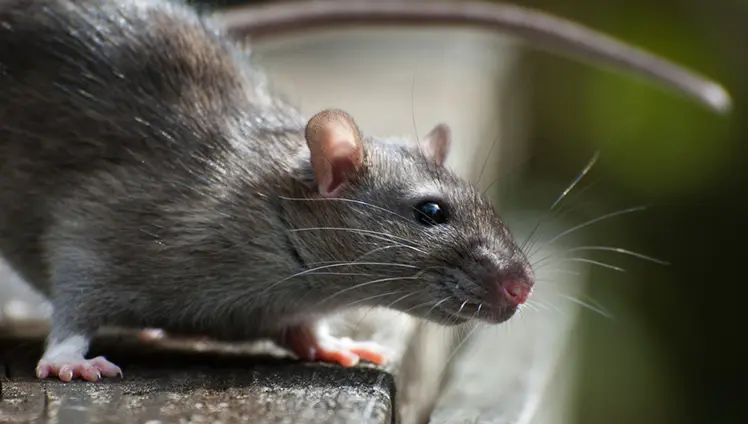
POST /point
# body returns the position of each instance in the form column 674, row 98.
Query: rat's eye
column 430, row 213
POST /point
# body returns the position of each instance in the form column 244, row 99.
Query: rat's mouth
column 465, row 307
column 478, row 312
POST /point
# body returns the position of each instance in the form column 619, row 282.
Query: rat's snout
column 515, row 292
column 508, row 285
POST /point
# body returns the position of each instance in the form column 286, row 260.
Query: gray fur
column 148, row 179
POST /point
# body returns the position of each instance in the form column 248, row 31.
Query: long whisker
column 592, row 221
column 418, row 306
column 437, row 305
column 362, row 274
column 341, row 199
column 558, row 215
column 619, row 250
column 587, row 305
column 560, row 271
column 459, row 345
column 529, row 305
column 590, row 261
column 391, row 305
column 563, row 194
column 308, row 271
column 368, row 283
column 413, row 107
column 372, row 297
column 577, row 179
column 379, row 249
column 485, row 161
column 585, row 260
column 547, row 307
column 506, row 172
column 373, row 234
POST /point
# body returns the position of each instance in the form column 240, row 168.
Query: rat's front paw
column 69, row 368
column 319, row 345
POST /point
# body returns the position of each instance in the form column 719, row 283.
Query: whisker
column 437, row 304
column 619, row 250
column 370, row 298
column 581, row 175
column 308, row 271
column 374, row 234
column 527, row 305
column 361, row 274
column 586, row 305
column 341, row 199
column 461, row 307
column 558, row 215
column 563, row 195
column 592, row 262
column 505, row 172
column 485, row 161
column 379, row 249
column 367, row 283
column 541, row 260
column 592, row 221
column 593, row 302
column 459, row 345
column 545, row 307
column 418, row 306
column 561, row 271
column 392, row 305
column 413, row 107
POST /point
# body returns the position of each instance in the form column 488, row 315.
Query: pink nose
column 516, row 292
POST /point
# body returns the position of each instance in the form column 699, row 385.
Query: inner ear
column 435, row 145
column 334, row 142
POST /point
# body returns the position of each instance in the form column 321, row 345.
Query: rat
column 149, row 178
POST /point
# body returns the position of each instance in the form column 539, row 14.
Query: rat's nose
column 516, row 292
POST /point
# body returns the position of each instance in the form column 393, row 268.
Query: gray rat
column 148, row 179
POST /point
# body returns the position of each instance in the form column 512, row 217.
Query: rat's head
column 417, row 237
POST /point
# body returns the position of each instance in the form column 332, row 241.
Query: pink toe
column 90, row 373
column 42, row 372
column 107, row 368
column 342, row 357
column 66, row 373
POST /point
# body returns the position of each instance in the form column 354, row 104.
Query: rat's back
column 85, row 81
column 98, row 89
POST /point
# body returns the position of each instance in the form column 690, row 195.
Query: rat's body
column 148, row 180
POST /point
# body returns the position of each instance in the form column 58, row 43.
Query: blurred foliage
column 674, row 353
column 673, row 144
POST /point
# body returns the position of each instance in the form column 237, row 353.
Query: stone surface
column 205, row 384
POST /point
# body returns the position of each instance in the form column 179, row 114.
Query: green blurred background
column 673, row 353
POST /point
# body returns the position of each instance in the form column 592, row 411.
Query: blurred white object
column 18, row 301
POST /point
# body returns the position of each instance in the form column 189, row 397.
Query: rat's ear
column 334, row 142
column 435, row 145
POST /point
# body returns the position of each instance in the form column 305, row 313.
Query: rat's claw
column 313, row 346
column 87, row 369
